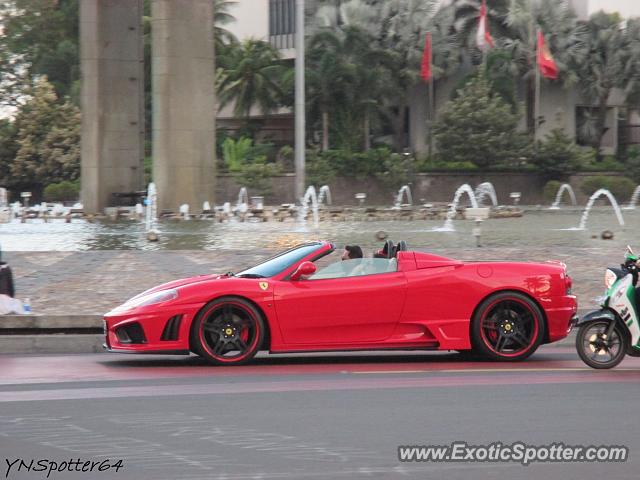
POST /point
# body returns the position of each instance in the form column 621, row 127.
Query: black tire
column 594, row 350
column 228, row 331
column 508, row 327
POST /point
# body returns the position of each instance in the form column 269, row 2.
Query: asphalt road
column 312, row 416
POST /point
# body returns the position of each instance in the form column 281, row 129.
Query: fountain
column 242, row 204
column 484, row 190
column 634, row 199
column 59, row 210
column 565, row 187
column 16, row 209
column 451, row 214
column 310, row 196
column 592, row 199
column 151, row 203
column 139, row 211
column 184, row 211
column 404, row 190
column 325, row 195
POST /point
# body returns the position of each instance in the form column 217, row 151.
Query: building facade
column 273, row 21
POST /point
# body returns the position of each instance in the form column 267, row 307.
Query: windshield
column 280, row 262
column 356, row 267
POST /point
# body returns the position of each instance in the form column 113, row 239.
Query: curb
column 51, row 334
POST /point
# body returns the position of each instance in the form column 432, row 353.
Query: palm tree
column 329, row 78
column 611, row 61
column 351, row 74
column 513, row 25
column 222, row 17
column 398, row 28
column 369, row 78
column 466, row 15
column 250, row 74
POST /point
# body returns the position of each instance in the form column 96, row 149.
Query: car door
column 343, row 310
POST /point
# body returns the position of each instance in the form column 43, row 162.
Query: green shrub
column 62, row 192
column 256, row 176
column 608, row 164
column 360, row 165
column 285, row 158
column 480, row 127
column 235, row 152
column 396, row 170
column 632, row 162
column 550, row 190
column 557, row 154
column 319, row 170
column 621, row 187
column 435, row 163
column 148, row 169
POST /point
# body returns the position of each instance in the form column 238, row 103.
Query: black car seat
column 401, row 247
column 389, row 249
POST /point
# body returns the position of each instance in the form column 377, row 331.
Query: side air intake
column 172, row 329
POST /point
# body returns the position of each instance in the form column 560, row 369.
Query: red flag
column 426, row 59
column 483, row 37
column 546, row 63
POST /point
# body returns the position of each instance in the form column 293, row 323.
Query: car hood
column 182, row 282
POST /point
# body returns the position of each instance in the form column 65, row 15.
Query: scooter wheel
column 598, row 351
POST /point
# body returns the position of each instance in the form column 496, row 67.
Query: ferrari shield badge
column 263, row 285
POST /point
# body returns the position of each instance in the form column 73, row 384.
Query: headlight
column 148, row 299
column 609, row 279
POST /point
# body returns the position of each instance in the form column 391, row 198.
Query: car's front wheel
column 596, row 349
column 228, row 331
column 507, row 326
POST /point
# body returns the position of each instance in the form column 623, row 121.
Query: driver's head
column 352, row 252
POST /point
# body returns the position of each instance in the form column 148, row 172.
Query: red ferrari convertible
column 307, row 299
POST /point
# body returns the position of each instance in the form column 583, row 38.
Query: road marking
column 321, row 385
column 490, row 370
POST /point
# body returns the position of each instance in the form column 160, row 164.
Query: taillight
column 568, row 283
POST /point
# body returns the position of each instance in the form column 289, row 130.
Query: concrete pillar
column 112, row 98
column 183, row 103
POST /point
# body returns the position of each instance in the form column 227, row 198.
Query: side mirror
column 305, row 269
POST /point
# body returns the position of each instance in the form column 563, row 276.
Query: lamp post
column 300, row 103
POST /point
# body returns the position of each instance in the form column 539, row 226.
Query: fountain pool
column 538, row 227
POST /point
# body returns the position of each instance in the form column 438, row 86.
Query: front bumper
column 151, row 328
column 145, row 352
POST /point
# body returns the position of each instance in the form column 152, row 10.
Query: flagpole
column 300, row 105
column 432, row 115
column 431, row 99
column 536, row 108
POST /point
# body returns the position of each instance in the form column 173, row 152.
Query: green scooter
column 605, row 336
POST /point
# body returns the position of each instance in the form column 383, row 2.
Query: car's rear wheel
column 228, row 331
column 507, row 326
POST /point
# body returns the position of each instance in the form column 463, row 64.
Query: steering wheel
column 389, row 249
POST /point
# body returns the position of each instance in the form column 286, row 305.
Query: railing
column 282, row 25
